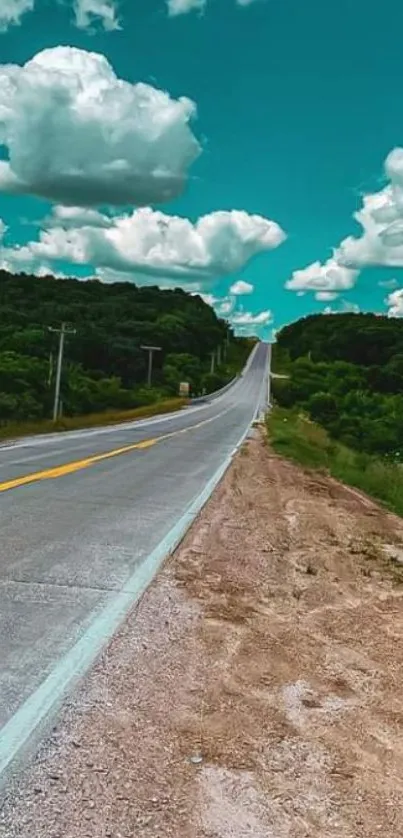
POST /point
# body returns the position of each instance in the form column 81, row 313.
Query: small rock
column 196, row 759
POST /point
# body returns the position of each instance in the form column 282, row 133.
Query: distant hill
column 105, row 366
column 367, row 339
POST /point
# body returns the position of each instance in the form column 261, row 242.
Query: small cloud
column 325, row 296
column 246, row 318
column 12, row 11
column 225, row 307
column 349, row 307
column 183, row 7
column 88, row 12
column 388, row 283
column 394, row 303
column 240, row 288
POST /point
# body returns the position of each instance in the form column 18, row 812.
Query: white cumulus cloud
column 344, row 307
column 77, row 134
column 246, row 318
column 88, row 12
column 66, row 216
column 327, row 278
column 325, row 296
column 248, row 323
column 225, row 307
column 12, row 11
column 160, row 245
column 381, row 220
column 239, row 288
column 380, row 243
column 394, row 301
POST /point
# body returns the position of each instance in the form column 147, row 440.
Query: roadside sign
column 184, row 389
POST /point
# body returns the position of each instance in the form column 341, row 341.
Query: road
column 80, row 516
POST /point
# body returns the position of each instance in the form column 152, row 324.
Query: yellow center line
column 70, row 468
column 78, row 465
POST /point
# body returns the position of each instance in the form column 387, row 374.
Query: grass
column 92, row 420
column 294, row 436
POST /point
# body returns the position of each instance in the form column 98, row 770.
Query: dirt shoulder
column 271, row 645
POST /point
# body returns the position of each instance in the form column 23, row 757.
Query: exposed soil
column 256, row 692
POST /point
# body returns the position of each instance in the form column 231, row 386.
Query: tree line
column 346, row 372
column 105, row 367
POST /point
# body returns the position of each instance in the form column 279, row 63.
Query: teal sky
column 298, row 105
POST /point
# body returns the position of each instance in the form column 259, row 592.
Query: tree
column 104, row 366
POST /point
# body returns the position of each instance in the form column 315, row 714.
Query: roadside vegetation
column 105, row 367
column 295, row 436
column 346, row 373
column 13, row 430
column 340, row 408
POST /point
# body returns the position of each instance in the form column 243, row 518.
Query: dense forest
column 346, row 372
column 104, row 364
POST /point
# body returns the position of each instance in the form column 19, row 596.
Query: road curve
column 84, row 518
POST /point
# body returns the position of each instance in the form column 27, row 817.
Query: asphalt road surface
column 80, row 513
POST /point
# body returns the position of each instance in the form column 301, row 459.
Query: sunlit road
column 80, row 515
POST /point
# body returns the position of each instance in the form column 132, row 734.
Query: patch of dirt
column 256, row 690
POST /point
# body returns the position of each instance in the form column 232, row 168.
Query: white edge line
column 20, row 728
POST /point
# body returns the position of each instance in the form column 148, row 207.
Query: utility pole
column 150, row 350
column 212, row 367
column 62, row 332
column 50, row 376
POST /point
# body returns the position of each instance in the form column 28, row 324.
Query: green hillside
column 105, row 367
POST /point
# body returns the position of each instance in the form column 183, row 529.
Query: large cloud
column 11, row 12
column 159, row 245
column 381, row 219
column 77, row 134
column 380, row 244
column 89, row 11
